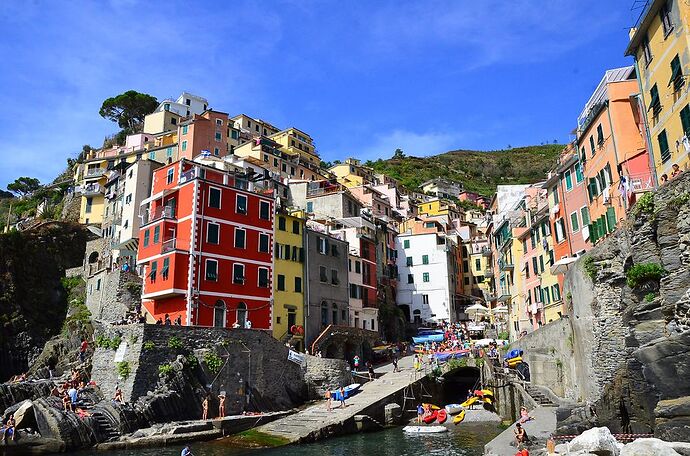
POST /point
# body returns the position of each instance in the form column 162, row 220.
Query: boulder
column 597, row 440
column 673, row 419
column 24, row 416
column 681, row 447
column 647, row 447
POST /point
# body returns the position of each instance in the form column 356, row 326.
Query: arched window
column 335, row 313
column 324, row 313
column 219, row 314
column 241, row 314
column 93, row 258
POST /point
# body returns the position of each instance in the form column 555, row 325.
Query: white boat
column 453, row 409
column 425, row 429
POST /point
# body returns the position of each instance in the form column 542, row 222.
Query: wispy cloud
column 412, row 143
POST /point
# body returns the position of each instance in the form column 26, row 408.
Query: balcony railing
column 488, row 272
column 94, row 172
column 641, row 182
column 161, row 212
column 169, row 245
column 92, row 189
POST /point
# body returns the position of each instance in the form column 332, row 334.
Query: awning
column 500, row 310
column 476, row 308
column 561, row 266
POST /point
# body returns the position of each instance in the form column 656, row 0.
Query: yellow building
column 517, row 305
column 352, row 173
column 289, row 279
column 294, row 141
column 437, row 206
column 551, row 298
column 660, row 44
column 90, row 178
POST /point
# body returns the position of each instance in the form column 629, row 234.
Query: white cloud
column 412, row 143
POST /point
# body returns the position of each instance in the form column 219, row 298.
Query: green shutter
column 685, row 119
column 592, row 233
column 654, row 103
column 676, row 79
column 611, row 219
column 665, row 152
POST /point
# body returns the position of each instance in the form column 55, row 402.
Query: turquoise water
column 466, row 439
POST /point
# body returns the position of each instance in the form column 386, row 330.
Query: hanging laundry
column 686, row 144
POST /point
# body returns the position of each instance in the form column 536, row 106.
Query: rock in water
column 648, row 447
column 597, row 440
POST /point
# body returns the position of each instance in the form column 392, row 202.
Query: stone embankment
column 618, row 357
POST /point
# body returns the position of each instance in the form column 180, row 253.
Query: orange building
column 613, row 153
column 207, row 131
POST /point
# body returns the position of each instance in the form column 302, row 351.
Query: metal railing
column 169, row 245
column 92, row 189
column 160, row 212
column 641, row 182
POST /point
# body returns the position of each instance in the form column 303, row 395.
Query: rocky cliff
column 629, row 313
column 33, row 302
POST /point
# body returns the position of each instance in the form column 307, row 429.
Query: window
column 676, row 74
column 211, row 270
column 264, row 210
column 584, row 214
column 281, row 282
column 410, row 278
column 665, row 152
column 238, row 274
column 334, row 277
column 600, row 135
column 281, row 223
column 555, row 195
column 323, row 274
column 212, row 233
column 477, row 264
column 556, row 292
column 409, row 261
column 263, row 242
column 646, row 51
column 310, row 207
column 168, row 153
column 240, row 238
column 591, row 145
column 665, row 16
column 263, row 278
column 568, row 181
column 170, row 175
column 358, row 267
column 185, row 129
column 574, row 224
column 425, row 299
column 611, row 219
column 425, row 259
column 334, row 250
column 147, row 235
column 406, row 244
column 526, row 270
column 184, row 145
column 323, row 246
column 219, row 314
column 295, row 227
column 560, row 230
column 467, row 280
column 156, row 234
column 233, row 134
column 324, row 313
column 216, row 151
column 541, row 263
column 579, row 175
column 425, row 277
column 241, row 314
column 298, row 284
column 219, row 122
column 241, row 204
column 655, row 101
column 214, row 198
column 98, row 285
column 551, row 258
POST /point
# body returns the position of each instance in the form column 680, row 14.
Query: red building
column 206, row 247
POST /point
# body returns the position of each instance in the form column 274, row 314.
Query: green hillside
column 479, row 171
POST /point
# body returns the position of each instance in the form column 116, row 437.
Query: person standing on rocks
column 221, row 405
column 204, row 408
column 342, row 397
column 82, row 349
column 9, row 429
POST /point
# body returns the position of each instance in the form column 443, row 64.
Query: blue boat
column 429, row 338
column 350, row 390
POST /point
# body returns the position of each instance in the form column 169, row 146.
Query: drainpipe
column 306, row 312
column 647, row 134
column 615, row 153
column 192, row 241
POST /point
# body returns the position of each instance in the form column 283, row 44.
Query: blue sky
column 363, row 78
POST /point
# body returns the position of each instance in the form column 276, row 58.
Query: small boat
column 487, row 393
column 431, row 406
column 453, row 409
column 488, row 399
column 459, row 417
column 469, row 401
column 430, row 418
column 441, row 416
column 350, row 390
column 425, row 429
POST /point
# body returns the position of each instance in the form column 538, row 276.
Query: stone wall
column 550, row 353
column 111, row 294
column 631, row 351
column 255, row 372
column 326, row 374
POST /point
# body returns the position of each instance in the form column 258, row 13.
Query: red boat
column 430, row 418
column 442, row 416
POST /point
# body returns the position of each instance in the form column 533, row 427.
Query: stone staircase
column 105, row 428
column 538, row 396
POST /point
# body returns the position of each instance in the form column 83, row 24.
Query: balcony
column 169, row 245
column 92, row 190
column 94, row 172
column 160, row 212
column 505, row 266
column 486, row 251
column 503, row 297
column 488, row 272
column 641, row 182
